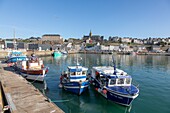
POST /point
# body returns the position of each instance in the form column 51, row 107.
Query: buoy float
column 42, row 65
column 105, row 91
column 9, row 64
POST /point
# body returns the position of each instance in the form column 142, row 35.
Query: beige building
column 52, row 38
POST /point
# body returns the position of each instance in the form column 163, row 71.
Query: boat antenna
column 77, row 62
column 114, row 65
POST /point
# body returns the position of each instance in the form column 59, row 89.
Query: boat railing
column 135, row 83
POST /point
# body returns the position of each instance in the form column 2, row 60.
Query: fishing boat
column 56, row 53
column 32, row 69
column 75, row 79
column 114, row 84
column 14, row 56
column 64, row 52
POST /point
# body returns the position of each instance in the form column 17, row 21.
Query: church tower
column 90, row 34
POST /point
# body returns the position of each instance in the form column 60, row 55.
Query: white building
column 127, row 40
column 138, row 41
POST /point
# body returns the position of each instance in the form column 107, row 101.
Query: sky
column 75, row 18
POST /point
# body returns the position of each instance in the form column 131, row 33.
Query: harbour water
column 151, row 73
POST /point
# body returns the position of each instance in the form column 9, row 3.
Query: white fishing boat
column 32, row 69
column 114, row 84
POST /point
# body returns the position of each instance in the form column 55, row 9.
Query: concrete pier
column 21, row 96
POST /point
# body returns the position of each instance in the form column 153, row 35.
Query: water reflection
column 151, row 72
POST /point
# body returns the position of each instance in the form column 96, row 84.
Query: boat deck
column 23, row 97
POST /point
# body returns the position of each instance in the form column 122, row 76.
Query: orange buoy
column 9, row 64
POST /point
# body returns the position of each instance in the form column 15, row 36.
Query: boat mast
column 14, row 42
column 77, row 61
column 114, row 65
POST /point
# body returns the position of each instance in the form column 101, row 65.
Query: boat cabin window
column 83, row 72
column 120, row 81
column 128, row 81
column 112, row 81
column 72, row 73
column 102, row 77
column 97, row 75
column 78, row 73
column 103, row 80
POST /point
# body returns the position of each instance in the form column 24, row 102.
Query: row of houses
column 154, row 41
column 55, row 41
column 148, row 41
column 82, row 47
column 126, row 48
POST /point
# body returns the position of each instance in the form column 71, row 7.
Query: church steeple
column 90, row 34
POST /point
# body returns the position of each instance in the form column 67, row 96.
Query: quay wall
column 21, row 95
column 4, row 53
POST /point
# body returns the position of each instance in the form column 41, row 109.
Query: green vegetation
column 89, row 45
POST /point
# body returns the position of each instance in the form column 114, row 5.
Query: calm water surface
column 152, row 73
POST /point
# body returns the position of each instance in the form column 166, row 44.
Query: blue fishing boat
column 75, row 79
column 114, row 84
column 14, row 56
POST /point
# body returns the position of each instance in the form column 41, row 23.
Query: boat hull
column 120, row 99
column 39, row 78
column 56, row 54
column 15, row 59
column 36, row 75
column 76, row 87
column 111, row 95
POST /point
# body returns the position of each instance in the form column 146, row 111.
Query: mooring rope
column 66, row 100
column 35, row 79
column 60, row 100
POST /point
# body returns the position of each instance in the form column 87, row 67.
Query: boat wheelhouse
column 14, row 56
column 75, row 79
column 114, row 84
column 56, row 53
